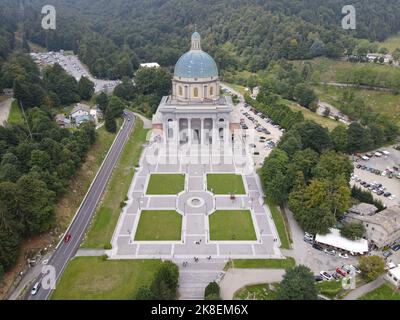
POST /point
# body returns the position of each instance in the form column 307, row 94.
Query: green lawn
column 330, row 289
column 159, row 225
column 15, row 116
column 261, row 263
column 379, row 101
column 326, row 122
column 384, row 292
column 105, row 220
column 231, row 225
column 225, row 183
column 92, row 278
column 263, row 291
column 280, row 225
column 166, row 184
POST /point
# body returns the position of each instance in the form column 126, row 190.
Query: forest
column 111, row 37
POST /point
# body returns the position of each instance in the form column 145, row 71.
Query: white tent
column 334, row 239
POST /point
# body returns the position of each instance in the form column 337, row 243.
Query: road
column 66, row 251
column 5, row 107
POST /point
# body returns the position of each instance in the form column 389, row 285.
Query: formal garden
column 159, row 225
column 162, row 184
column 227, row 225
column 225, row 183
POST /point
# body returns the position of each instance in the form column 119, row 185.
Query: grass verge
column 280, row 224
column 93, row 278
column 263, row 291
column 105, row 220
column 15, row 115
column 384, row 292
column 289, row 262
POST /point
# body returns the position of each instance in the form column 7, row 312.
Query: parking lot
column 261, row 142
column 387, row 176
column 73, row 66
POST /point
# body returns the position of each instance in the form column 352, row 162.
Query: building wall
column 186, row 91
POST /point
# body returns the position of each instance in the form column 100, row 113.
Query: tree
column 305, row 95
column 144, row 293
column 85, row 88
column 153, row 81
column 212, row 291
column 332, row 165
column 125, row 90
column 371, row 267
column 352, row 231
column 359, row 138
column 165, row 283
column 298, row 284
column 273, row 174
column 115, row 107
column 102, row 102
column 314, row 136
column 339, row 138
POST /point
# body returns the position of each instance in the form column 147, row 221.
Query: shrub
column 108, row 246
column 371, row 267
column 212, row 291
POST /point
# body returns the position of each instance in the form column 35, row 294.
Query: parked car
column 343, row 255
column 318, row 278
column 355, row 268
column 326, row 275
column 330, row 251
column 387, row 254
column 341, row 272
column 318, row 247
column 395, row 247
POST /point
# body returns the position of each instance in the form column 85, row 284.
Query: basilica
column 196, row 112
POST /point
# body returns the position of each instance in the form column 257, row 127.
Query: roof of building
column 62, row 118
column 334, row 239
column 395, row 272
column 83, row 118
column 150, row 65
column 388, row 219
column 196, row 63
column 363, row 209
column 79, row 107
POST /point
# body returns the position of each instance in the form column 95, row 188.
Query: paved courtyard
column 195, row 204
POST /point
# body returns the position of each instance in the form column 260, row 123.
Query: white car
column 385, row 152
column 378, row 154
column 35, row 288
column 343, row 255
column 326, row 275
column 330, row 251
column 392, row 197
column 365, row 158
column 383, row 173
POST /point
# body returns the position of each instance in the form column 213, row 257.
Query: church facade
column 195, row 112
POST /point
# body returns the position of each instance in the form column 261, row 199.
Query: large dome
column 196, row 63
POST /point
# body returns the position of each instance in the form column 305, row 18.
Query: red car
column 341, row 272
column 67, row 238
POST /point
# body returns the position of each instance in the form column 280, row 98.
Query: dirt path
column 5, row 107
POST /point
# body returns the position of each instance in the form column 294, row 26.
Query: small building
column 364, row 209
column 256, row 91
column 79, row 110
column 62, row 121
column 9, row 92
column 150, row 65
column 335, row 240
column 382, row 228
column 393, row 276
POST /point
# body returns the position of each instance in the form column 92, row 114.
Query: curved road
column 66, row 251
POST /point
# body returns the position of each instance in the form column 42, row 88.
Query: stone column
column 202, row 136
column 190, row 131
column 176, row 131
column 215, row 131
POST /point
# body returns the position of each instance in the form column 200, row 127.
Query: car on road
column 67, row 238
column 326, row 275
column 343, row 255
column 35, row 288
column 341, row 272
column 330, row 251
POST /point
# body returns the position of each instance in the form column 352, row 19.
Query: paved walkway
column 90, row 253
column 235, row 279
column 147, row 124
column 357, row 293
column 5, row 107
